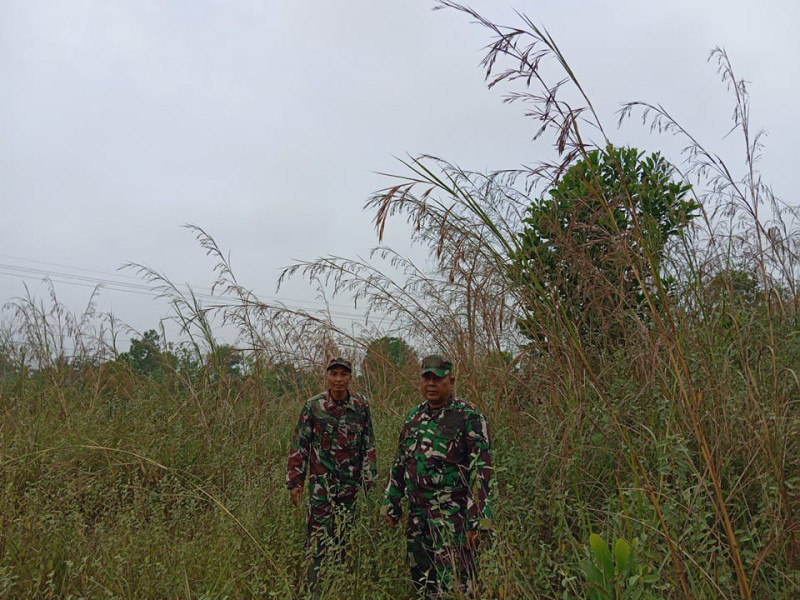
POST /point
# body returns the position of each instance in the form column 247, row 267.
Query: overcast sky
column 265, row 121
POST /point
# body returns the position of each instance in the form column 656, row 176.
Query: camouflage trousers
column 439, row 558
column 327, row 534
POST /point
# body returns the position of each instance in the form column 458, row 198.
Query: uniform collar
column 347, row 402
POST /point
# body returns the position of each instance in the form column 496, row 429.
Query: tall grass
column 681, row 435
column 685, row 400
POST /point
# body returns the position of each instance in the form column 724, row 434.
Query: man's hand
column 392, row 522
column 297, row 493
column 473, row 539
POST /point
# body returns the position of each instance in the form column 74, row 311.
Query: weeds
column 681, row 432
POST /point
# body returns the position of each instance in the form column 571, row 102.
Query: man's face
column 338, row 381
column 436, row 390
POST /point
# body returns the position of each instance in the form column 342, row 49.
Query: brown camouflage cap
column 437, row 364
column 339, row 362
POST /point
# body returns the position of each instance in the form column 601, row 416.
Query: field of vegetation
column 631, row 327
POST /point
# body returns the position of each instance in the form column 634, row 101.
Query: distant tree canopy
column 387, row 358
column 592, row 246
column 226, row 360
column 146, row 357
column 732, row 295
column 7, row 366
column 734, row 284
column 284, row 378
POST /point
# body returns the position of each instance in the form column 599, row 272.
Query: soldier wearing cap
column 443, row 468
column 335, row 443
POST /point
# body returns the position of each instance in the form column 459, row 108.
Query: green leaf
column 634, row 594
column 603, row 554
column 622, row 555
column 593, row 574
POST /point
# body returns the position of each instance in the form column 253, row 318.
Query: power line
column 140, row 288
column 27, row 272
column 51, row 264
column 138, row 279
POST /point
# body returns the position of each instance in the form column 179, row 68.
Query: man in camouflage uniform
column 443, row 467
column 334, row 441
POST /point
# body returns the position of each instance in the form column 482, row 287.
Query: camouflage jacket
column 443, row 466
column 333, row 441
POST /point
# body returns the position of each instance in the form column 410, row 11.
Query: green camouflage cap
column 437, row 364
column 339, row 362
